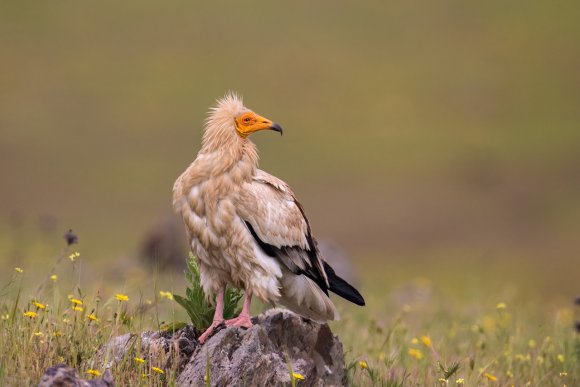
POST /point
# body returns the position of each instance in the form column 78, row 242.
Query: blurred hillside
column 434, row 131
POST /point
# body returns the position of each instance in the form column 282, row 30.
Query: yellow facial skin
column 250, row 122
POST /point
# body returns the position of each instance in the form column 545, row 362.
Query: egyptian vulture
column 246, row 227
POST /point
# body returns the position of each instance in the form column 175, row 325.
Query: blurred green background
column 434, row 136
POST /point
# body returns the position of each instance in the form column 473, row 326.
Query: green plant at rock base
column 200, row 311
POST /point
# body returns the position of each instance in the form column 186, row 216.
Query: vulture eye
column 247, row 119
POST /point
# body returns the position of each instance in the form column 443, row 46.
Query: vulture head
column 230, row 115
column 249, row 122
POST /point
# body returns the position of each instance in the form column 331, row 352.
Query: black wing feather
column 337, row 285
column 316, row 269
column 284, row 254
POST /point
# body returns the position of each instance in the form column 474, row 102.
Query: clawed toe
column 209, row 331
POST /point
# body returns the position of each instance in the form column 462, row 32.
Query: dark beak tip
column 277, row 128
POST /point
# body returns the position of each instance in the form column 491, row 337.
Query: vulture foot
column 210, row 331
column 242, row 321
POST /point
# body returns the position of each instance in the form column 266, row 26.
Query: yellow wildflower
column 363, row 364
column 562, row 374
column 426, row 341
column 74, row 256
column 490, row 377
column 5, row 316
column 561, row 358
column 18, row 270
column 501, row 306
column 158, row 370
column 57, row 334
column 510, row 374
column 148, row 302
column 92, row 317
column 297, row 376
column 460, row 381
column 78, row 308
column 30, row 314
column 121, row 297
column 532, row 343
column 167, row 295
column 75, row 301
column 144, row 376
column 37, row 334
column 94, row 372
column 65, row 320
column 53, row 277
column 139, row 359
column 39, row 305
column 414, row 340
column 442, row 380
column 416, row 353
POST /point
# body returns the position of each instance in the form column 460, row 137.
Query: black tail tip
column 356, row 297
column 342, row 288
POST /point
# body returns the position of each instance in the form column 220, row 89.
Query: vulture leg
column 244, row 319
column 218, row 317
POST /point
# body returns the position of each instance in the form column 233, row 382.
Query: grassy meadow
column 435, row 142
column 444, row 329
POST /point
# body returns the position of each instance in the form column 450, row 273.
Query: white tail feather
column 301, row 295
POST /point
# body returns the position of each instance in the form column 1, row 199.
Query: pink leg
column 218, row 317
column 243, row 320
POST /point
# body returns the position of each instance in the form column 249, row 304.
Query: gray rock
column 63, row 375
column 263, row 354
column 160, row 348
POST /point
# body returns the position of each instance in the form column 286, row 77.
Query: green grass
column 197, row 306
column 422, row 332
column 414, row 331
column 62, row 323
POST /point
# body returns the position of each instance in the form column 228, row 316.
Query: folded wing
column 279, row 226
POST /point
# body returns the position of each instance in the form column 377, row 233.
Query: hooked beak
column 277, row 128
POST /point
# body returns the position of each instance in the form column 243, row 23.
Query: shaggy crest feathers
column 219, row 132
column 231, row 101
column 225, row 108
